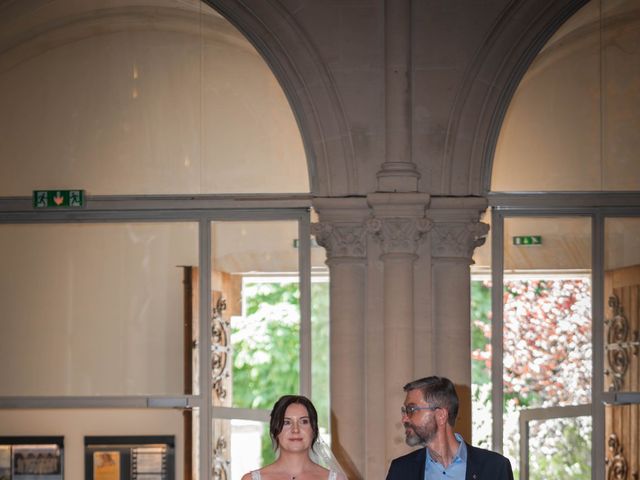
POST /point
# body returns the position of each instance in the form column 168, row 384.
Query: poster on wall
column 5, row 462
column 31, row 458
column 36, row 462
column 106, row 465
column 130, row 457
column 149, row 463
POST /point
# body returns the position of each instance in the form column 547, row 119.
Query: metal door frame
column 597, row 206
column 203, row 209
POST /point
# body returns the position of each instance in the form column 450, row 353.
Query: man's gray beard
column 414, row 438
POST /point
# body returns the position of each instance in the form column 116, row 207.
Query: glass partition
column 257, row 335
column 560, row 448
column 547, row 325
column 481, row 353
column 93, row 309
column 256, row 290
column 320, row 348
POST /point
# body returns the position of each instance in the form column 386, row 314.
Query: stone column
column 398, row 173
column 456, row 232
column 341, row 232
column 399, row 225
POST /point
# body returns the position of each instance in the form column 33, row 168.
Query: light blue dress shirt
column 455, row 471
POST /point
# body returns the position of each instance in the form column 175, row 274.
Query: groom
column 429, row 414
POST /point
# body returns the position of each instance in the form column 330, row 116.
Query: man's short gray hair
column 438, row 391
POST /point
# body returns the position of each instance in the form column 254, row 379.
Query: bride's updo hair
column 277, row 416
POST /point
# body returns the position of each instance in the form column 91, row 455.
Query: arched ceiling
column 573, row 121
column 140, row 97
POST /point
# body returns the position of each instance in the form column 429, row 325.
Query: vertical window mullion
column 497, row 277
column 598, row 450
column 304, row 259
column 205, row 451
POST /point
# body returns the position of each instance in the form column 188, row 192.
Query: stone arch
column 307, row 84
column 489, row 83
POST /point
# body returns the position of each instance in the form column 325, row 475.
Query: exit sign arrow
column 58, row 198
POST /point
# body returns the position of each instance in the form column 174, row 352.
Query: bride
column 294, row 432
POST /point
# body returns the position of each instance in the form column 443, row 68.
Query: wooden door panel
column 622, row 289
column 622, row 368
column 226, row 301
column 623, row 452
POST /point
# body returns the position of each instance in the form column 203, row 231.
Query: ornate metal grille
column 621, row 344
column 220, row 350
column 220, row 361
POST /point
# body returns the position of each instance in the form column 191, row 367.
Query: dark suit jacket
column 481, row 465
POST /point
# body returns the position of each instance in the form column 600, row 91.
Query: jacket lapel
column 472, row 466
column 418, row 465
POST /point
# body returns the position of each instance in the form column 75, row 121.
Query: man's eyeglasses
column 411, row 409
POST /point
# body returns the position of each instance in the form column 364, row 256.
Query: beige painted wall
column 93, row 309
column 74, row 425
column 572, row 124
column 138, row 98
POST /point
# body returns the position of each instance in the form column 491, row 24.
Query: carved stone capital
column 341, row 240
column 398, row 235
column 457, row 240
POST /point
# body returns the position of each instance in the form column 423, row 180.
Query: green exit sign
column 528, row 240
column 58, row 198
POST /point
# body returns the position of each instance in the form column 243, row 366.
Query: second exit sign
column 528, row 240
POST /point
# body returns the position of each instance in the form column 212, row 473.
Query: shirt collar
column 462, row 449
column 461, row 454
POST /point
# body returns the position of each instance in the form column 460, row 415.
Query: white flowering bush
column 547, row 362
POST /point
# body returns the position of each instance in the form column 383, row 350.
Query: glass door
column 262, row 332
column 543, row 338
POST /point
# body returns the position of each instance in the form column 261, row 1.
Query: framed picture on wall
column 106, row 465
column 146, row 457
column 31, row 458
column 36, row 462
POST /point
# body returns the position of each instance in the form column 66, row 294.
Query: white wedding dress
column 322, row 455
column 255, row 475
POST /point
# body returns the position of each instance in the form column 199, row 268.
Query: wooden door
column 622, row 371
column 226, row 301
